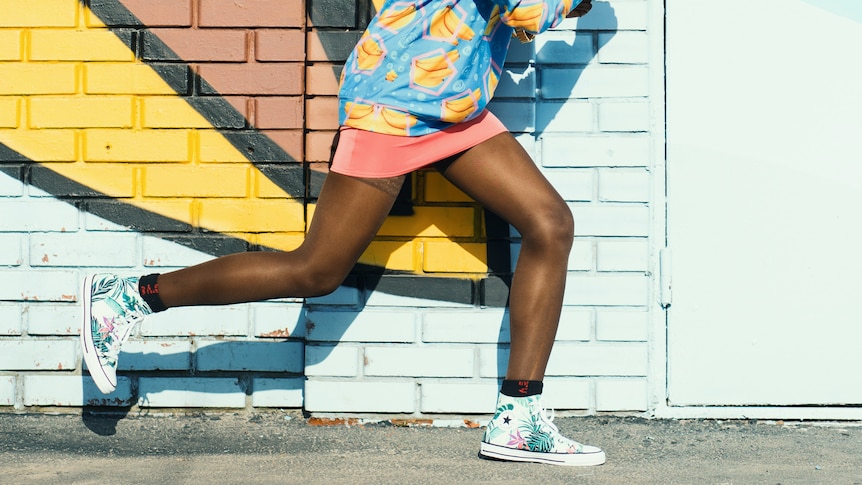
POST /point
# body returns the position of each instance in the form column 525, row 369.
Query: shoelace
column 129, row 322
column 547, row 418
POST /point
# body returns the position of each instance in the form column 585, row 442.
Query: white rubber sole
column 497, row 452
column 103, row 382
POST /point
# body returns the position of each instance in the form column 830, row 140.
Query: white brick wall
column 39, row 355
column 34, row 215
column 262, row 356
column 10, row 319
column 623, row 150
column 578, row 101
column 7, row 390
column 190, row 392
column 77, row 250
column 621, row 394
column 39, row 285
column 10, row 250
column 230, row 320
column 394, row 396
column 568, row 393
column 161, row 253
column 156, row 354
column 71, row 390
column 370, row 325
column 466, row 326
column 458, row 397
column 278, row 320
column 332, row 360
column 277, row 393
column 53, row 319
column 422, row 361
column 10, row 187
column 622, row 325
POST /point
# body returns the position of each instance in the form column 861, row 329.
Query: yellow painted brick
column 196, row 181
column 265, row 188
column 450, row 257
column 113, row 180
column 214, row 147
column 251, row 215
column 136, row 145
column 280, row 241
column 38, row 13
column 438, row 189
column 178, row 210
column 391, row 255
column 10, row 45
column 171, row 112
column 123, row 78
column 42, row 145
column 77, row 45
column 9, row 107
column 432, row 222
column 81, row 112
column 37, row 78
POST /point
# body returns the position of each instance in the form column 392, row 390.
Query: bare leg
column 349, row 212
column 500, row 175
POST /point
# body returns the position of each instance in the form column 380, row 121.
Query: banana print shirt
column 424, row 65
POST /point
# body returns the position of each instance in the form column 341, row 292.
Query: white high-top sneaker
column 522, row 430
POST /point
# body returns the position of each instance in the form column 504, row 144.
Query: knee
column 316, row 279
column 320, row 282
column 553, row 227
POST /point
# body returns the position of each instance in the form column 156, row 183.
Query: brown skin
column 582, row 9
column 497, row 173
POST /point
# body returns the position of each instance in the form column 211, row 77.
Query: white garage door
column 764, row 141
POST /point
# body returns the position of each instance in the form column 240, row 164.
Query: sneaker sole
column 565, row 459
column 103, row 382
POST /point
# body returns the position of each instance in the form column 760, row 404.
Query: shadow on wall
column 561, row 54
column 569, row 59
column 239, row 378
column 228, row 369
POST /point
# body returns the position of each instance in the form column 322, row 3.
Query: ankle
column 521, row 388
column 148, row 288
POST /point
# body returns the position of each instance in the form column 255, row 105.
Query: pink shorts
column 366, row 154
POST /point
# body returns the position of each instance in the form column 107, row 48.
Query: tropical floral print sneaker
column 112, row 309
column 521, row 430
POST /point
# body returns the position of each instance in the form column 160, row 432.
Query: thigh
column 499, row 174
column 347, row 216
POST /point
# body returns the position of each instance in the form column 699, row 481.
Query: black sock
column 148, row 287
column 521, row 388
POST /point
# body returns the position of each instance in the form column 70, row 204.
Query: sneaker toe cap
column 590, row 449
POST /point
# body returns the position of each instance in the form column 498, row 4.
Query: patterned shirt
column 424, row 65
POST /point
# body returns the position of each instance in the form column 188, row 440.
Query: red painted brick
column 289, row 141
column 240, row 103
column 161, row 13
column 278, row 112
column 321, row 113
column 320, row 167
column 226, row 45
column 321, row 79
column 270, row 79
column 279, row 45
column 334, row 422
column 251, row 13
column 317, row 146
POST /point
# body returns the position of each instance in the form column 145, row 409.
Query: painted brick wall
column 141, row 136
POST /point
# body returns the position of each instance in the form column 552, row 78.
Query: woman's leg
column 500, row 175
column 348, row 214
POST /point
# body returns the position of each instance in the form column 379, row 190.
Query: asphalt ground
column 224, row 448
